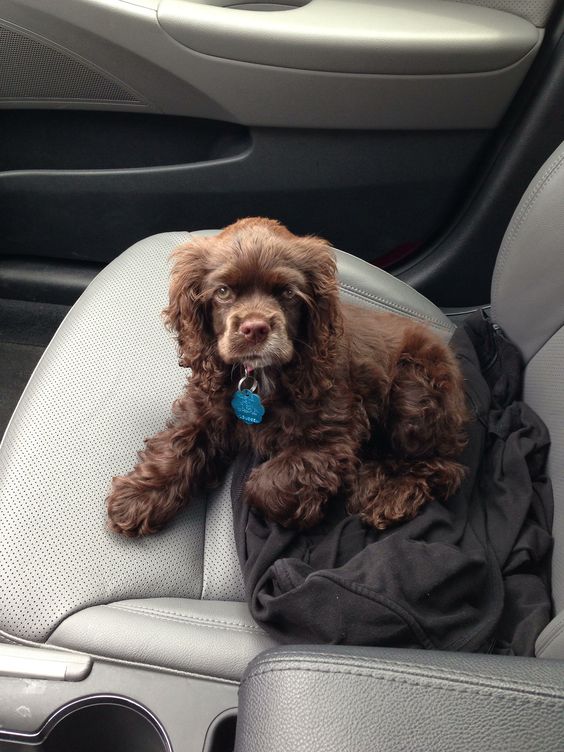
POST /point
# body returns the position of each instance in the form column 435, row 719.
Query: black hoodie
column 469, row 574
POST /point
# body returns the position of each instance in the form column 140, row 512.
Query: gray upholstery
column 338, row 699
column 210, row 638
column 550, row 643
column 527, row 301
column 527, row 286
column 535, row 11
column 542, row 390
column 367, row 285
column 106, row 381
column 80, row 421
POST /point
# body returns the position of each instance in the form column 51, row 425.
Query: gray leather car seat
column 174, row 600
column 107, row 380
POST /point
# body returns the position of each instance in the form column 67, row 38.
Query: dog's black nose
column 254, row 330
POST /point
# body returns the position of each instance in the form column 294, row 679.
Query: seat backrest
column 528, row 303
column 107, row 380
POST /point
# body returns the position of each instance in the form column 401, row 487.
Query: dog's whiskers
column 303, row 342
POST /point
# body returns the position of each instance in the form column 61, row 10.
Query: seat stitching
column 149, row 610
column 534, row 194
column 545, row 179
column 208, row 625
column 390, row 304
column 398, row 664
column 414, row 682
column 174, row 616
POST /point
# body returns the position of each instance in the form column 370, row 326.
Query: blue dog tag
column 247, row 406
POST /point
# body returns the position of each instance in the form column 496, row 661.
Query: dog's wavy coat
column 356, row 401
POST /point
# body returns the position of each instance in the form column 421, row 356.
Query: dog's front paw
column 134, row 510
column 384, row 497
column 284, row 499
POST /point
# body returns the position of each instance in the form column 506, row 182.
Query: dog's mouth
column 252, row 361
column 255, row 360
column 269, row 355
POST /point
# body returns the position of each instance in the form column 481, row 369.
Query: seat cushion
column 207, row 638
column 107, row 381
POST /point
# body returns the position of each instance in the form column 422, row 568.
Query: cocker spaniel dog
column 333, row 397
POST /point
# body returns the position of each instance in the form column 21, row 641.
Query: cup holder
column 98, row 724
column 221, row 733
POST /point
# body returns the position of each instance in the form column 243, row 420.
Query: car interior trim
column 354, row 36
column 127, row 42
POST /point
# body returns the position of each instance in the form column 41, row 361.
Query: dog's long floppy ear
column 186, row 312
column 324, row 318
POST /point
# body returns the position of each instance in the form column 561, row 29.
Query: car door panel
column 316, row 181
column 454, row 66
column 358, row 121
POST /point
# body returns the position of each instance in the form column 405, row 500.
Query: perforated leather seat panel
column 107, row 381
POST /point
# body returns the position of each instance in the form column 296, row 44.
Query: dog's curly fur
column 359, row 401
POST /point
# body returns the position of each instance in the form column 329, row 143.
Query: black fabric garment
column 468, row 574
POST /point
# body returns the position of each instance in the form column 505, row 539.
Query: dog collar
column 247, row 405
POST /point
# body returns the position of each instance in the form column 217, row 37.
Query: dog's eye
column 223, row 293
column 288, row 293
